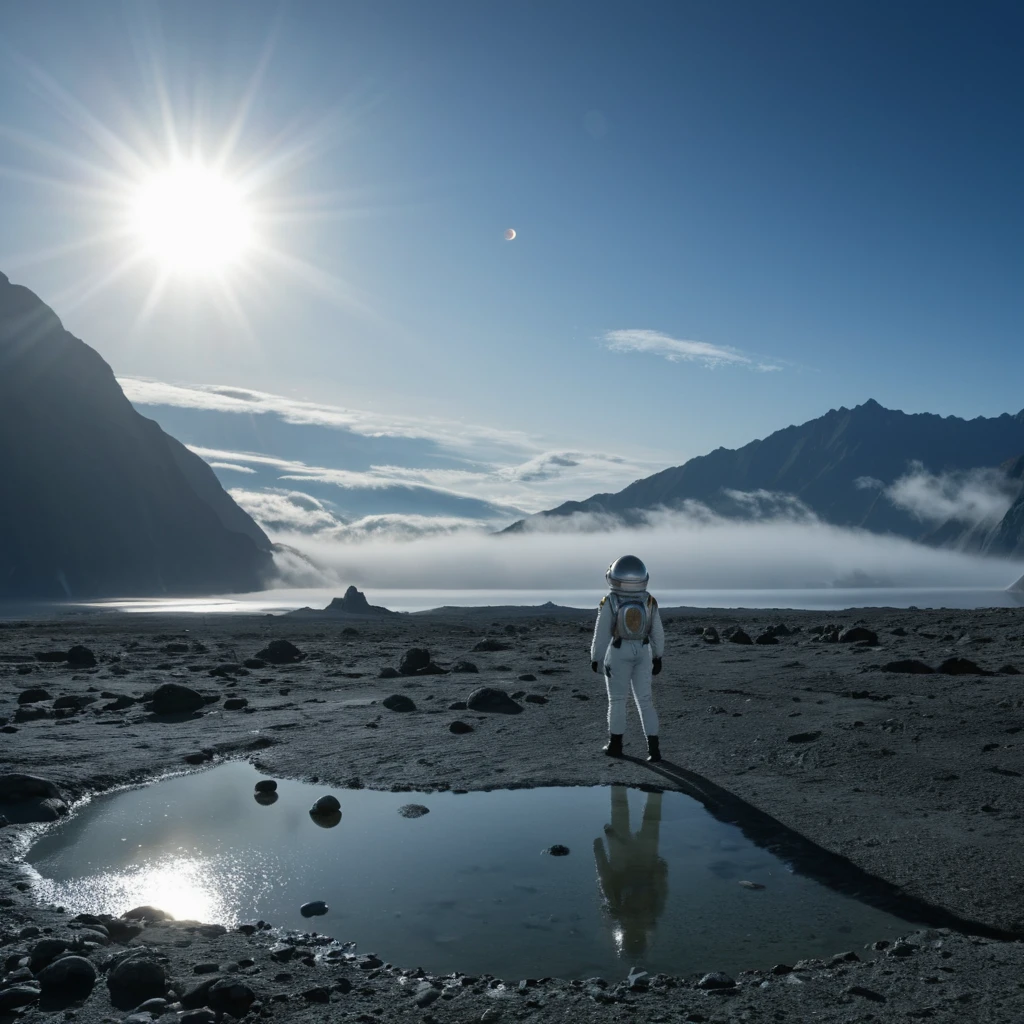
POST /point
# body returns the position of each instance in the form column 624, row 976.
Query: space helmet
column 627, row 575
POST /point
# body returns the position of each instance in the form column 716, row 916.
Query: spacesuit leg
column 616, row 677
column 642, row 693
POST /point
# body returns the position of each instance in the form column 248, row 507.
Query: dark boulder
column 858, row 635
column 22, row 994
column 738, row 636
column 173, row 699
column 136, row 979
column 961, row 667
column 459, row 728
column 280, row 652
column 488, row 698
column 464, row 666
column 33, row 695
column 266, row 786
column 28, row 798
column 230, row 996
column 81, row 657
column 767, row 638
column 416, row 659
column 710, row 635
column 52, row 656
column 70, row 977
column 316, row 908
column 326, row 805
column 44, row 952
column 908, row 665
column 398, row 702
column 235, row 703
column 490, row 644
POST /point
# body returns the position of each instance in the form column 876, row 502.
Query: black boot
column 613, row 748
column 653, row 750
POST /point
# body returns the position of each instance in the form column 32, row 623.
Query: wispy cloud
column 234, row 467
column 977, row 496
column 679, row 350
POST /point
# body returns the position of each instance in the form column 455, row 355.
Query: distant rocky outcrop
column 98, row 500
column 836, row 467
column 353, row 604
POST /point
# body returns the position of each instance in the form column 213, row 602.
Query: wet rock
column 961, row 667
column 710, row 635
column 81, row 657
column 750, row 885
column 490, row 644
column 33, row 695
column 266, row 799
column 227, row 670
column 908, row 665
column 327, row 804
column 738, row 636
column 803, row 737
column 22, row 994
column 780, row 969
column 464, row 666
column 174, row 699
column 315, row 908
column 716, row 979
column 399, row 702
column 266, row 786
column 282, row 953
column 414, row 660
column 146, row 913
column 766, row 638
column 535, row 698
column 137, row 978
column 858, row 635
column 31, row 798
column 198, row 757
column 460, row 728
column 413, row 810
column 488, row 698
column 280, row 652
column 328, row 820
column 558, row 850
column 900, row 948
column 72, row 977
column 235, row 703
column 387, row 672
column 230, row 996
column 44, row 952
column 154, row 1006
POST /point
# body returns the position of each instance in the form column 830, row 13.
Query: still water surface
column 284, row 600
column 651, row 879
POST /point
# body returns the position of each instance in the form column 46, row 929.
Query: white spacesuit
column 629, row 641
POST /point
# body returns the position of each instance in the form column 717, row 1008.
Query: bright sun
column 192, row 220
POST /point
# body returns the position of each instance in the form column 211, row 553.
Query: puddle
column 651, row 879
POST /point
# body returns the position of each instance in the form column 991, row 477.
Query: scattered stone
column 198, row 757
column 146, row 913
column 33, row 695
column 35, row 798
column 317, row 908
column 740, row 637
column 716, row 979
column 535, row 698
column 235, row 703
column 908, row 665
column 710, row 635
column 961, row 667
column 459, row 705
column 254, row 663
column 803, row 737
column 399, row 702
column 266, row 786
column 767, row 638
column 319, row 994
column 76, row 702
column 901, row 948
column 487, row 698
column 558, row 850
column 200, row 1016
column 139, row 977
column 414, row 660
column 206, row 968
column 22, row 994
column 1009, row 670
column 326, row 805
column 865, row 993
column 459, row 728
column 228, row 996
column 174, row 699
column 898, row 631
column 780, row 969
column 464, row 666
column 527, row 677
column 280, row 652
column 413, row 810
column 858, row 635
column 81, row 657
column 490, row 644
column 71, row 976
column 387, row 672
column 427, row 995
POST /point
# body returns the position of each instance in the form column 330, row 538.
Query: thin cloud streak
column 678, row 350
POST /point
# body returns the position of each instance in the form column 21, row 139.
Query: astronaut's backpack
column 632, row 617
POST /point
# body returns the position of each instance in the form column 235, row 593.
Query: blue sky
column 731, row 217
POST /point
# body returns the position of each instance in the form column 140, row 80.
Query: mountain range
column 98, row 500
column 940, row 480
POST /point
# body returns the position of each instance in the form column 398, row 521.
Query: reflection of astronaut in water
column 634, row 879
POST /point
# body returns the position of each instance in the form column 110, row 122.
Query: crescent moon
column 510, row 234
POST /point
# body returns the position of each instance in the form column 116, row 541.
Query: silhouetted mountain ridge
column 839, row 466
column 98, row 500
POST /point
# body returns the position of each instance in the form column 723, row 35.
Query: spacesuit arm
column 602, row 632
column 657, row 634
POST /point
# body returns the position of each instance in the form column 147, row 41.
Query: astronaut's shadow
column 809, row 859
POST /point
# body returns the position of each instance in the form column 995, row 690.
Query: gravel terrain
column 905, row 786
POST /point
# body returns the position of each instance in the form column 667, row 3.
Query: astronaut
column 633, row 878
column 629, row 641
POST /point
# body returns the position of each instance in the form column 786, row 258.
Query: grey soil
column 906, row 788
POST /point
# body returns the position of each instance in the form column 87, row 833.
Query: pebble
column 459, row 728
column 488, row 698
column 716, row 979
column 326, row 805
column 398, row 702
column 317, row 908
column 558, row 850
column 413, row 810
column 266, row 786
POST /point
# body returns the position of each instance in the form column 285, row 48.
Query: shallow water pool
column 651, row 879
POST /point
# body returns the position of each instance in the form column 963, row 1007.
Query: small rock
column 459, row 728
column 45, row 952
column 750, row 885
column 317, row 908
column 254, row 663
column 326, row 805
column 23, row 994
column 201, row 1016
column 399, row 702
column 206, row 968
column 490, row 644
column 70, row 976
column 488, row 698
column 138, row 977
column 716, row 979
column 266, row 786
column 908, row 665
column 858, row 634
column 33, row 695
column 229, row 996
column 527, row 677
column 738, row 636
column 413, row 810
column 280, row 652
column 558, row 850
column 387, row 672
column 319, row 994
column 414, row 659
column 803, row 737
column 710, row 635
column 961, row 667
column 427, row 996
column 767, row 638
column 865, row 993
column 51, row 657
column 235, row 703
column 535, row 698
column 173, row 698
column 81, row 657
column 464, row 666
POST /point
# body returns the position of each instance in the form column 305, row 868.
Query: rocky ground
column 844, row 754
